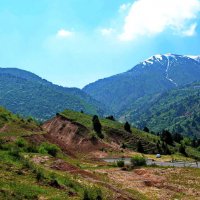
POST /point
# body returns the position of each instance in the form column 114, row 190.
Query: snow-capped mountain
column 169, row 63
column 163, row 59
column 197, row 58
column 154, row 75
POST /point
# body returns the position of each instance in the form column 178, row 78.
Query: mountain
column 157, row 74
column 27, row 94
column 177, row 110
column 197, row 58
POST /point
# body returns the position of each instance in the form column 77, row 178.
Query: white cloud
column 191, row 31
column 124, row 7
column 151, row 17
column 62, row 33
column 106, row 31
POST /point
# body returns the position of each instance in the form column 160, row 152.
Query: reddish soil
column 35, row 139
column 58, row 164
column 72, row 137
column 64, row 166
column 153, row 183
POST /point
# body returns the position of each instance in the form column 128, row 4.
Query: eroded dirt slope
column 71, row 135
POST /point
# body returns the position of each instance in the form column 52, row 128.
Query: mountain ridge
column 27, row 94
column 158, row 73
column 176, row 110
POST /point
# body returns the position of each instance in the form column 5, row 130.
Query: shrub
column 120, row 163
column 92, row 194
column 1, row 143
column 40, row 176
column 111, row 117
column 182, row 150
column 15, row 152
column 138, row 161
column 123, row 146
column 21, row 143
column 86, row 195
column 51, row 149
column 32, row 149
column 27, row 164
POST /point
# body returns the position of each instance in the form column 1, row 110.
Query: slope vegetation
column 74, row 132
column 12, row 125
column 155, row 75
column 57, row 163
column 177, row 110
column 27, row 94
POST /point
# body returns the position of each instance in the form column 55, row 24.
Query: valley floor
column 64, row 161
column 68, row 178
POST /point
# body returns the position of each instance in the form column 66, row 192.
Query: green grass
column 109, row 127
column 15, row 185
column 86, row 120
column 176, row 110
column 194, row 153
column 13, row 125
column 21, row 178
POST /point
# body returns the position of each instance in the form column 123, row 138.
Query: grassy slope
column 177, row 110
column 113, row 127
column 19, row 175
column 86, row 120
column 13, row 125
column 42, row 100
column 137, row 134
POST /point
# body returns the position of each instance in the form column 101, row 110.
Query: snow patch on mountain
column 167, row 73
column 152, row 59
column 197, row 58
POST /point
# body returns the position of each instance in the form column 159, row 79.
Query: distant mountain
column 157, row 74
column 197, row 58
column 177, row 110
column 27, row 94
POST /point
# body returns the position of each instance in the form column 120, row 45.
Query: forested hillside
column 27, row 94
column 177, row 110
column 154, row 75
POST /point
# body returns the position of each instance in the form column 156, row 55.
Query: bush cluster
column 120, row 163
column 47, row 148
column 138, row 161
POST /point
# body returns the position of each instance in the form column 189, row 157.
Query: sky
column 76, row 42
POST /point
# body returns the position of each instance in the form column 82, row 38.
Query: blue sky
column 75, row 42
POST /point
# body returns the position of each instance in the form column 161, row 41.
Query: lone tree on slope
column 166, row 136
column 140, row 148
column 97, row 126
column 146, row 129
column 127, row 127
